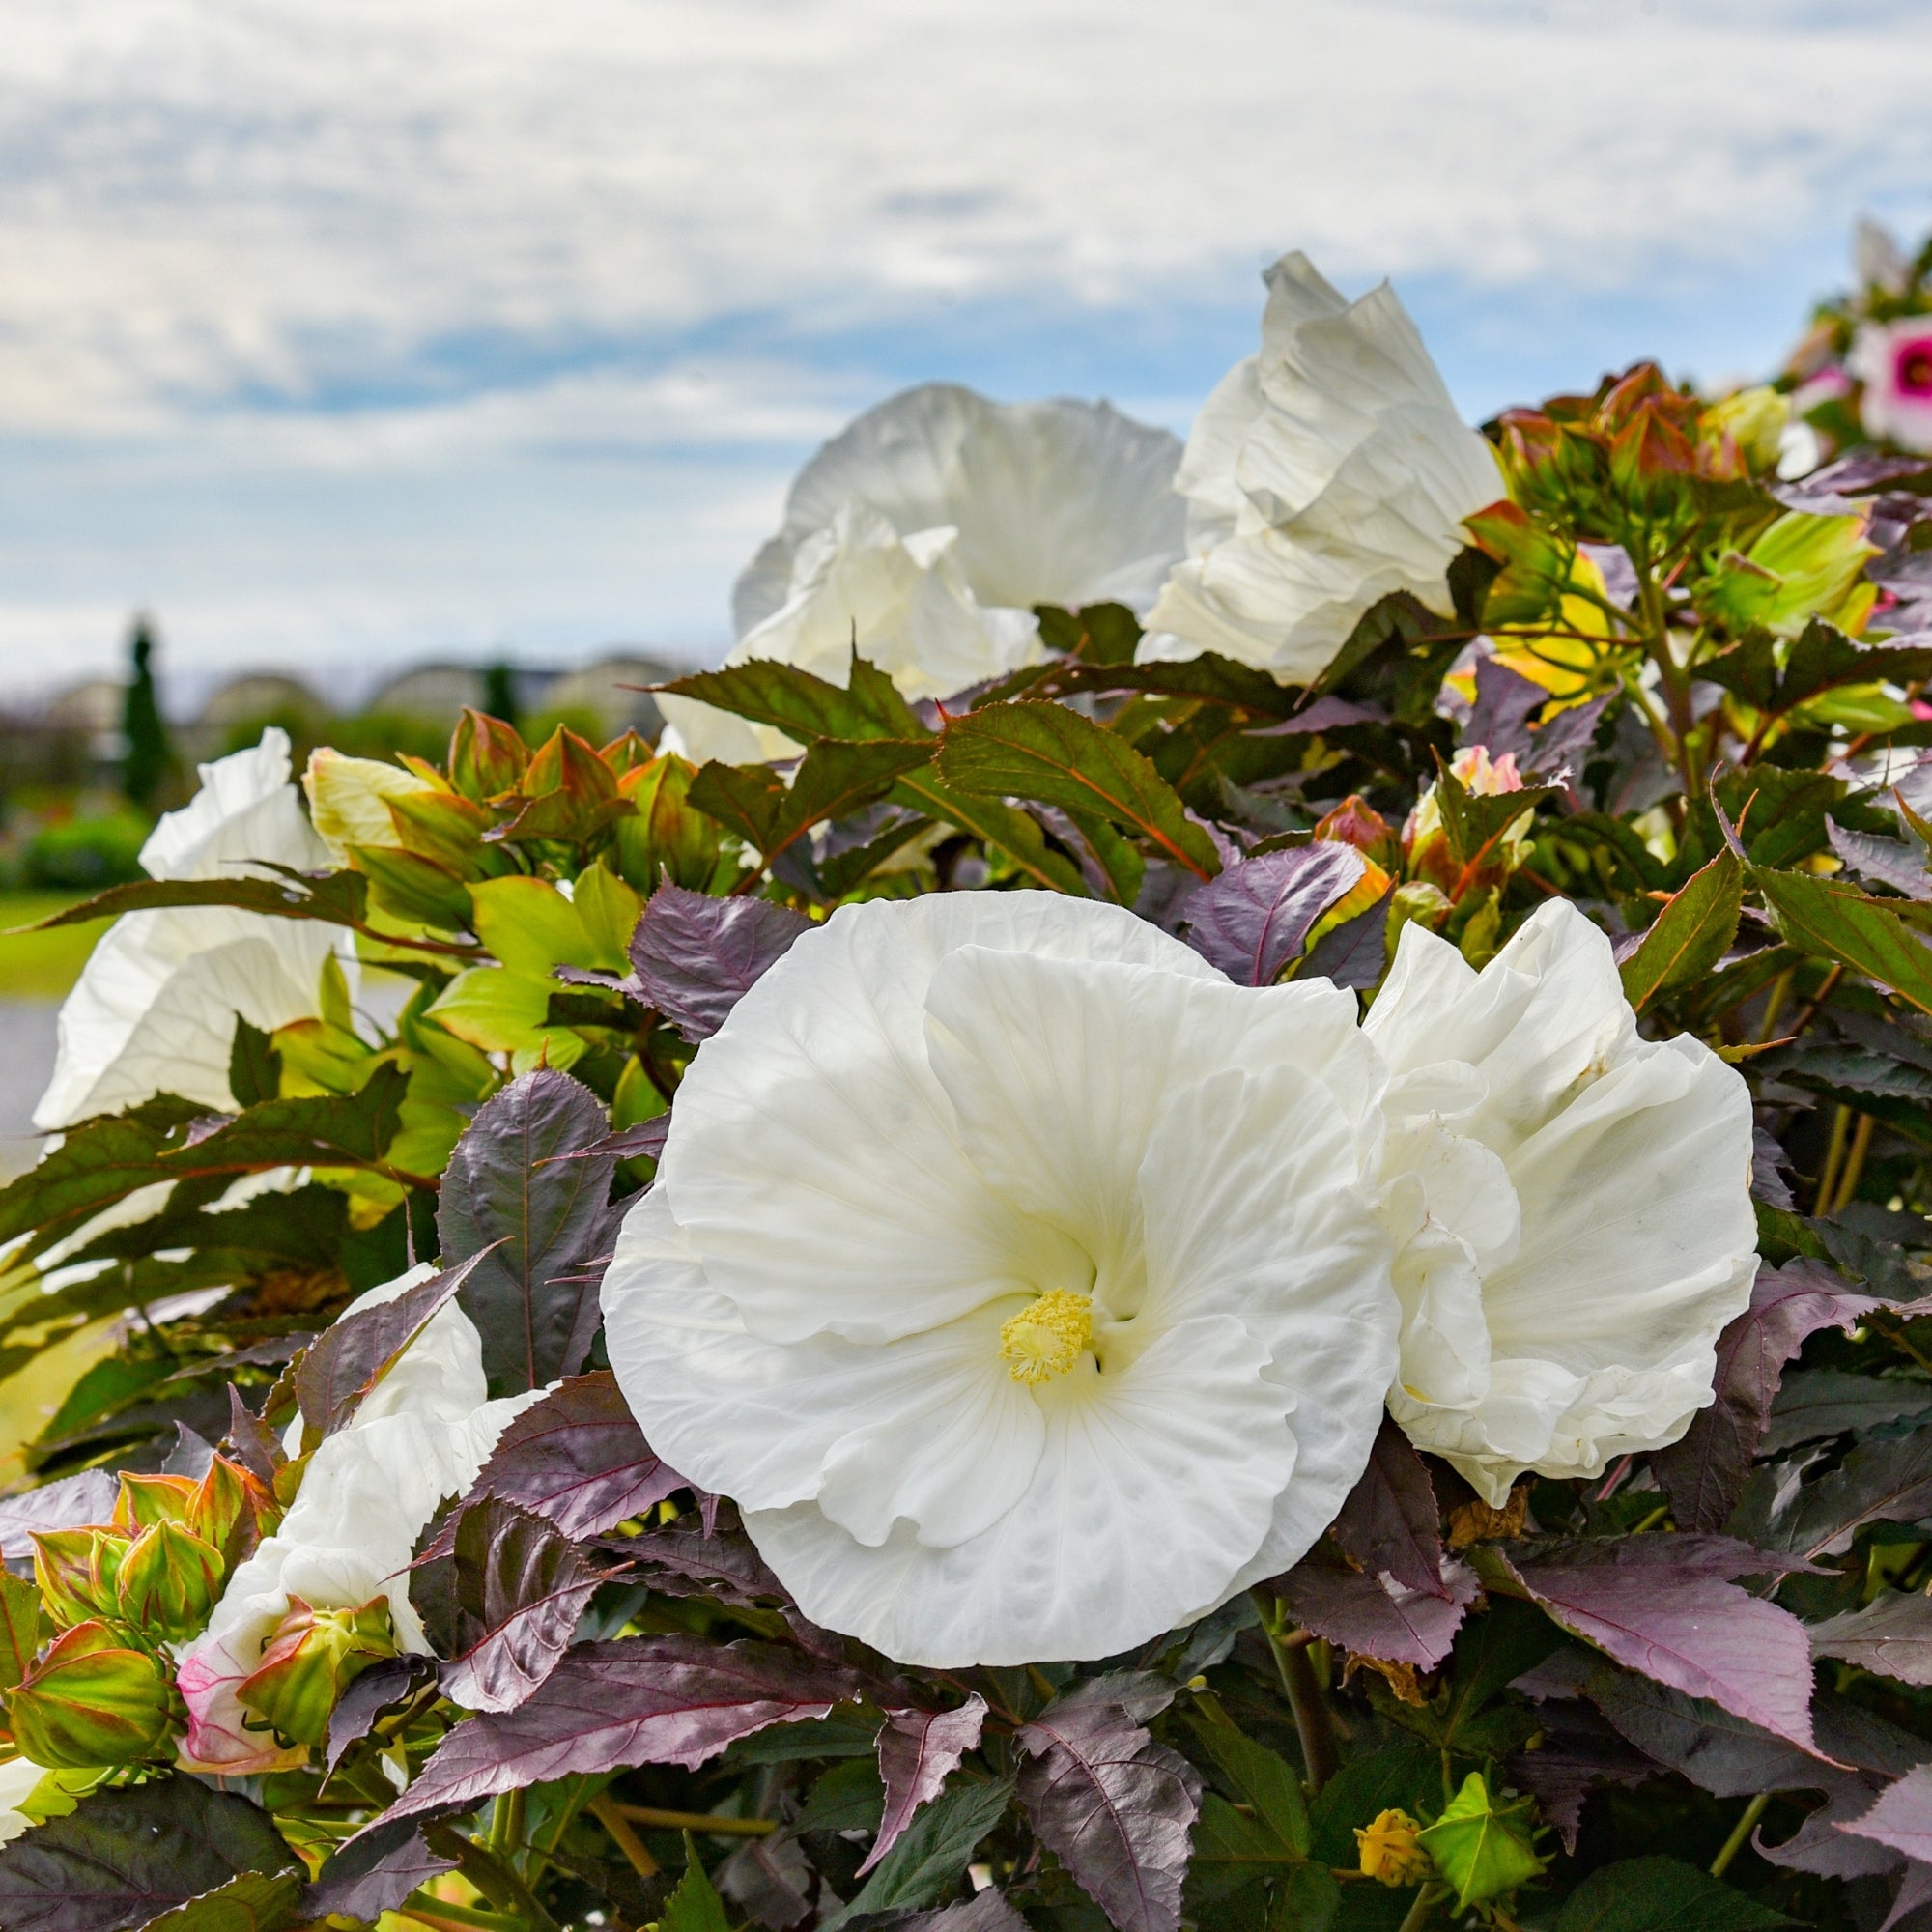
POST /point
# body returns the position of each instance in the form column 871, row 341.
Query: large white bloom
column 18, row 1776
column 1571, row 1203
column 369, row 1491
column 1016, row 1274
column 932, row 525
column 155, row 1010
column 1322, row 474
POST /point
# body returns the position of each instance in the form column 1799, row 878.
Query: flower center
column 1914, row 367
column 1046, row 1339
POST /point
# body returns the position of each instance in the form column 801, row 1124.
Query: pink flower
column 1894, row 362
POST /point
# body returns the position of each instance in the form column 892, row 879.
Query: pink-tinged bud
column 90, row 1701
column 168, row 1581
column 1357, row 823
column 312, row 1657
column 75, row 1570
column 145, row 1500
column 1426, row 845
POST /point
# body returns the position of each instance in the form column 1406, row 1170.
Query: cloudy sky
column 343, row 335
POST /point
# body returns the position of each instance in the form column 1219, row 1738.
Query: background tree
column 148, row 755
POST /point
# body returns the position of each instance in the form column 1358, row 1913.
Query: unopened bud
column 90, row 1700
column 309, row 1661
column 150, row 1499
column 75, row 1570
column 486, row 755
column 1391, row 1850
column 233, row 1509
column 168, row 1581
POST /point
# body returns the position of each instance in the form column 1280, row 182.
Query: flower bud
column 349, row 800
column 90, row 1701
column 1357, row 823
column 486, row 755
column 150, row 1499
column 312, row 1657
column 1754, row 421
column 75, row 1570
column 1426, row 845
column 233, row 1509
column 168, row 1581
column 1391, row 1850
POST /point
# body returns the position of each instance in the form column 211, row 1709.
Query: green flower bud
column 486, row 756
column 233, row 1509
column 145, row 1500
column 168, row 1581
column 75, row 1570
column 310, row 1660
column 90, row 1701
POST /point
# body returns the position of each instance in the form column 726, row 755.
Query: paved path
column 26, row 1060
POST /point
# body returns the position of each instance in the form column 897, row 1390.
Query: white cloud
column 491, row 260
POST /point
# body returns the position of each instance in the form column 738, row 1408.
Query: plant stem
column 1417, row 1916
column 506, row 1823
column 627, row 1841
column 1855, row 1161
column 1834, row 1149
column 1318, row 1754
column 694, row 1821
column 447, row 1917
column 1740, row 1834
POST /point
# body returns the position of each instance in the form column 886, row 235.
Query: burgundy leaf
column 1670, row 1614
column 373, row 1872
column 1325, row 714
column 1115, row 1807
column 519, row 1590
column 1915, row 1888
column 1353, row 953
column 255, row 1445
column 692, row 1557
column 646, row 1140
column 577, row 1458
column 383, row 1686
column 1892, row 1636
column 1254, row 916
column 770, row 1879
column 1376, row 1618
column 1579, row 1752
column 695, row 957
column 636, row 1700
column 1391, row 1521
column 532, row 1222
column 1880, row 1481
column 918, row 1752
column 1704, row 1474
column 68, row 1504
column 346, row 1361
column 986, row 1912
column 1902, row 1817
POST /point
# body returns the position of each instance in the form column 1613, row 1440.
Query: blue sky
column 342, row 338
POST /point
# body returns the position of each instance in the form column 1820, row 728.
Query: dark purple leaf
column 1883, row 862
column 1902, row 1818
column 1325, row 714
column 987, row 1912
column 1579, row 1753
column 1878, row 1482
column 122, row 1858
column 1254, row 916
column 1768, row 1182
column 1663, row 1608
column 636, row 1700
column 509, row 1605
column 1115, row 1807
column 646, row 1140
column 1892, row 1636
column 383, row 1686
column 692, row 1558
column 694, row 957
column 1704, row 1473
column 538, row 1218
column 918, row 1752
column 577, row 1458
column 1372, row 1618
column 344, row 1363
column 1499, row 720
column 1914, row 1890
column 68, row 1504
column 250, row 1440
column 375, row 1871
column 1390, row 1521
column 770, row 1879
column 1353, row 953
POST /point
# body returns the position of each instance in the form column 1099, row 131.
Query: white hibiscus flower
column 18, row 1775
column 1016, row 1274
column 155, row 1010
column 1322, row 474
column 1571, row 1205
column 934, row 523
column 423, row 1434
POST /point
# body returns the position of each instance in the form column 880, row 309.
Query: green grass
column 42, row 965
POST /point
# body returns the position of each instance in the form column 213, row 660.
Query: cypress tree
column 148, row 755
column 499, row 693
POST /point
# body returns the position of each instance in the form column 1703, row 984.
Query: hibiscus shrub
column 1267, row 1272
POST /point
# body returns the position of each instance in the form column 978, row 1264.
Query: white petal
column 18, row 1776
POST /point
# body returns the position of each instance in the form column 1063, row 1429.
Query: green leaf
column 1835, row 923
column 19, row 1627
column 802, row 706
column 1820, row 658
column 1474, row 822
column 1692, row 933
column 1661, row 1895
column 1482, row 1851
column 694, row 1906
column 1398, row 1777
column 413, row 888
column 254, row 1066
column 1014, row 832
column 930, row 1858
column 254, row 1902
column 1043, row 751
column 832, row 779
column 1263, row 1780
column 339, row 898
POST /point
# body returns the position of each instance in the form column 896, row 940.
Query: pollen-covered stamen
column 1047, row 1337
